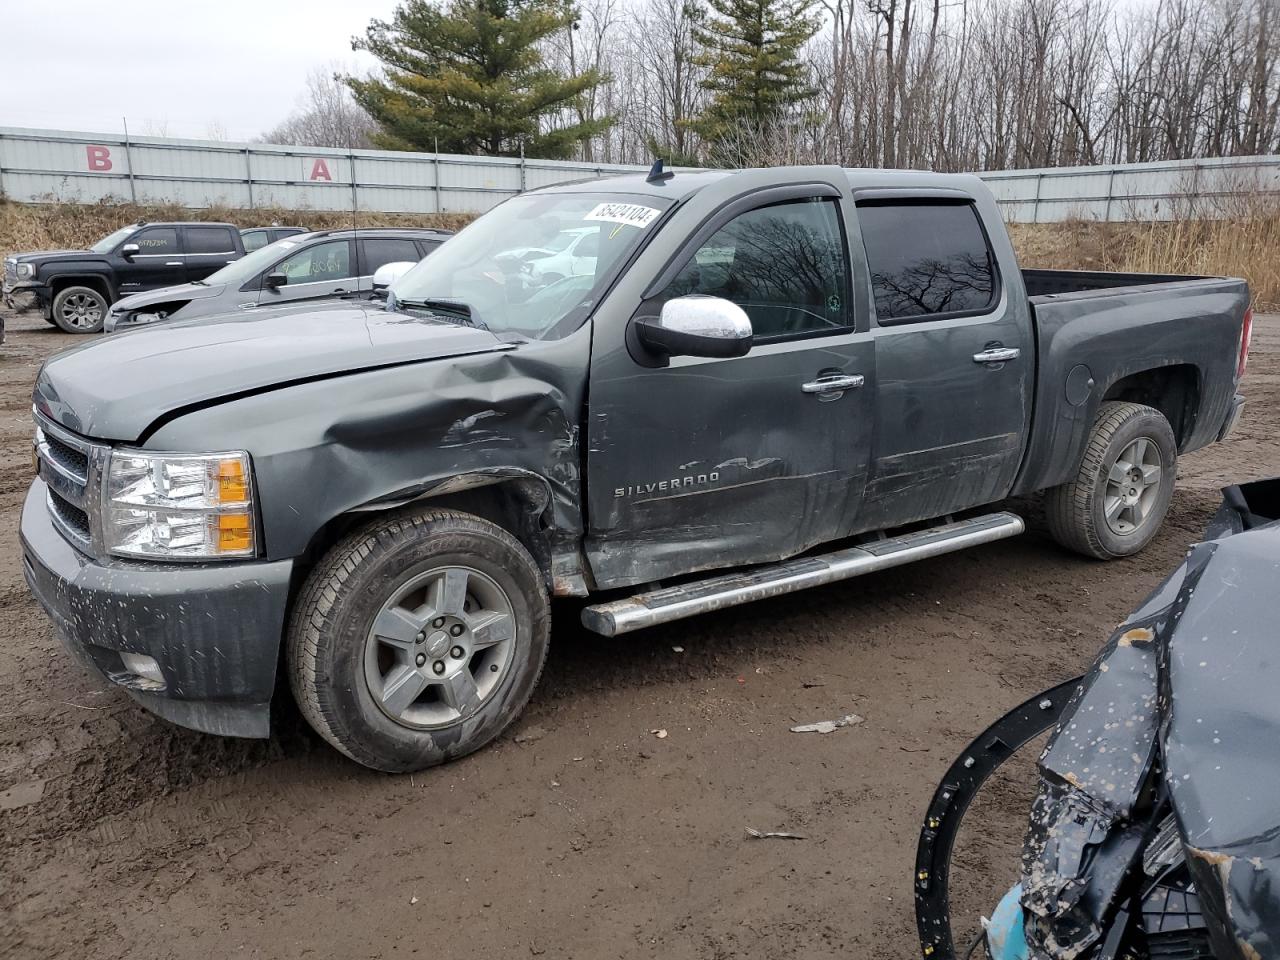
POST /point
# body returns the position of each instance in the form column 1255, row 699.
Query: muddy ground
column 579, row 833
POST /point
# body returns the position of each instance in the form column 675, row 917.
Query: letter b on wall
column 99, row 159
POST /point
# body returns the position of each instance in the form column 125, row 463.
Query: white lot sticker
column 630, row 214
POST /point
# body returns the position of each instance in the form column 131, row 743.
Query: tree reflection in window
column 785, row 265
column 926, row 259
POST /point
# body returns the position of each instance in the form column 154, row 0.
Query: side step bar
column 729, row 590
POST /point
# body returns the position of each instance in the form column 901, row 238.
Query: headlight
column 25, row 271
column 179, row 506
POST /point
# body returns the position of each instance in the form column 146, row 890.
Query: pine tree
column 469, row 77
column 752, row 48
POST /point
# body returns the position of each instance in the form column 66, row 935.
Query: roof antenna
column 657, row 174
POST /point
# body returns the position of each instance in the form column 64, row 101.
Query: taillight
column 1246, row 335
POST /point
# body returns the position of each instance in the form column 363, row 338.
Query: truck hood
column 115, row 388
column 40, row 256
column 181, row 291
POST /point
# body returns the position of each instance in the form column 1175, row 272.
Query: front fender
column 382, row 438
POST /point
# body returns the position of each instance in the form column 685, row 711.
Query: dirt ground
column 579, row 833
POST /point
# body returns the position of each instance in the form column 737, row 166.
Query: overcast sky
column 240, row 64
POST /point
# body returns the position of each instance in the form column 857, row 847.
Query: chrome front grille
column 70, row 465
column 10, row 271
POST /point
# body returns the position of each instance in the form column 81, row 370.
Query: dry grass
column 73, row 226
column 1245, row 245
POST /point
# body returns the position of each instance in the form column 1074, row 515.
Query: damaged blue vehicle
column 1156, row 830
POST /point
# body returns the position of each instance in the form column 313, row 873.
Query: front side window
column 210, row 240
column 927, row 259
column 322, row 262
column 157, row 242
column 784, row 264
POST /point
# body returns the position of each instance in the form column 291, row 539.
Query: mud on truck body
column 770, row 379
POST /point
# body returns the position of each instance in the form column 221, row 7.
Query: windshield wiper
column 444, row 308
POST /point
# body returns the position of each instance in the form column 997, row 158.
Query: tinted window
column 157, row 241
column 426, row 246
column 324, row 261
column 377, row 253
column 210, row 240
column 254, row 240
column 785, row 265
column 927, row 259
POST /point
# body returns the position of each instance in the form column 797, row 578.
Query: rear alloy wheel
column 1121, row 492
column 418, row 638
column 79, row 310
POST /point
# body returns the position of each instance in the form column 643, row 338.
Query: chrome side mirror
column 130, row 250
column 697, row 326
column 387, row 274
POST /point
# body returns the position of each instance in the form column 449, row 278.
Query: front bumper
column 214, row 629
column 20, row 299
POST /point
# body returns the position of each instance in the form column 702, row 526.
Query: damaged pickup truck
column 1156, row 830
column 758, row 381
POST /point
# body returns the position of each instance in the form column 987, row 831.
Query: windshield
column 108, row 243
column 251, row 264
column 490, row 274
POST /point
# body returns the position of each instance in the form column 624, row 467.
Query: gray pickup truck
column 762, row 381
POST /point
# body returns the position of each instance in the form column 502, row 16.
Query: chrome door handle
column 997, row 355
column 836, row 384
column 173, row 263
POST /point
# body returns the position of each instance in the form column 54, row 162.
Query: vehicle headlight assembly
column 179, row 506
column 25, row 271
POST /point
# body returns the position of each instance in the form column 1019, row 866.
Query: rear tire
column 462, row 628
column 79, row 310
column 1120, row 494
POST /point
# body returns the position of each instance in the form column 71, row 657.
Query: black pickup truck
column 767, row 380
column 74, row 288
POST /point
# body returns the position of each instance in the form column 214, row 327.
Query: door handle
column 997, row 355
column 339, row 289
column 834, row 384
column 173, row 263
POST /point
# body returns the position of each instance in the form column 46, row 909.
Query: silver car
column 325, row 265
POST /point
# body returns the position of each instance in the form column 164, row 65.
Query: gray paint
column 352, row 409
column 1186, row 689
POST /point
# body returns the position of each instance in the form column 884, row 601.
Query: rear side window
column 254, row 240
column 210, row 240
column 927, row 260
column 157, row 242
column 377, row 253
column 784, row 264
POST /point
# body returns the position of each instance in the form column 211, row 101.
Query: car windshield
column 108, row 243
column 485, row 275
column 251, row 264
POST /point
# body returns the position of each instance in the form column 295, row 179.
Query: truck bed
column 1044, row 283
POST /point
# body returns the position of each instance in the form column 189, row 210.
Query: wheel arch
column 1173, row 389
column 519, row 501
column 95, row 281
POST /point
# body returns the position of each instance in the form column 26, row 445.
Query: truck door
column 954, row 357
column 159, row 261
column 707, row 463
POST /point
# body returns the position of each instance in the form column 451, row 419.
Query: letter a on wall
column 98, row 158
column 320, row 170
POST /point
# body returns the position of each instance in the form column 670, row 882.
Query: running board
column 729, row 590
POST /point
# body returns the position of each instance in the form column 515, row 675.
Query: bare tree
column 326, row 115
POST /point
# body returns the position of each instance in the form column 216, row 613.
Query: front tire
column 418, row 639
column 79, row 310
column 1119, row 497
